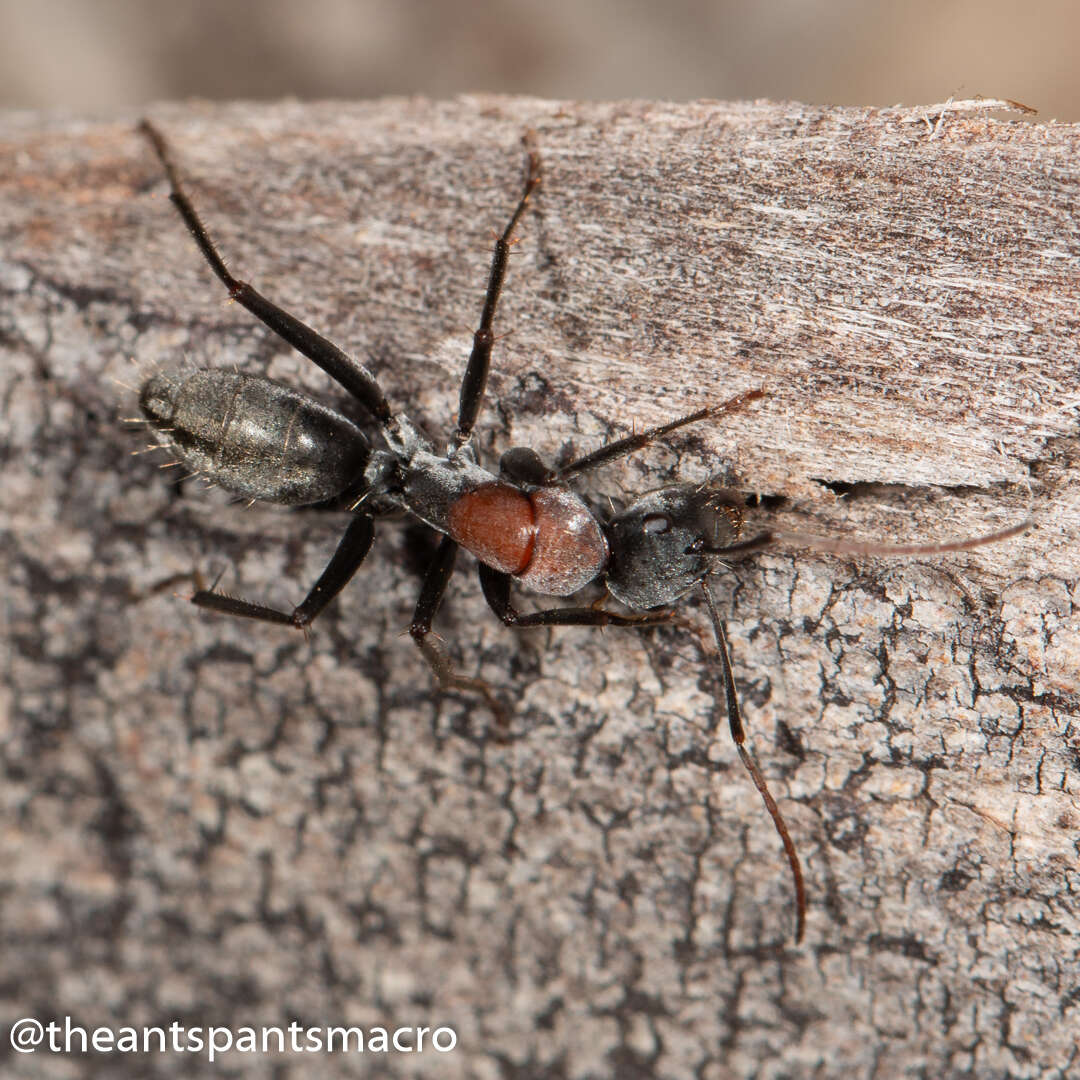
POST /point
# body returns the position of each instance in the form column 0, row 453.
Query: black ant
column 263, row 440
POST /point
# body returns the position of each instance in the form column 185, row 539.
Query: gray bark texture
column 223, row 822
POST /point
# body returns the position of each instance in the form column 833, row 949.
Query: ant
column 260, row 439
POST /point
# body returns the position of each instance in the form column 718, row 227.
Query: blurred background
column 94, row 55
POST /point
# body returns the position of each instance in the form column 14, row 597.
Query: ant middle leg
column 351, row 551
column 341, row 367
column 476, row 373
column 427, row 607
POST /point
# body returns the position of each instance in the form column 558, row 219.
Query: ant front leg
column 350, row 553
column 496, row 586
column 633, row 443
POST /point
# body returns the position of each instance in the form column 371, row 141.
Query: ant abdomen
column 255, row 437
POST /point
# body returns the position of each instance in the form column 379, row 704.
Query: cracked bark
column 224, row 822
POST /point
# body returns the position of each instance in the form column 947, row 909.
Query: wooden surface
column 221, row 822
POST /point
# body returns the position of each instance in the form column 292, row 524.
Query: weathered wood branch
column 221, row 821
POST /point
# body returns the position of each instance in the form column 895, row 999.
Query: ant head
column 659, row 544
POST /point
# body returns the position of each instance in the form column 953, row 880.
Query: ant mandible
column 260, row 439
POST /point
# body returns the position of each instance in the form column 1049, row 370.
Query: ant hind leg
column 349, row 373
column 351, row 551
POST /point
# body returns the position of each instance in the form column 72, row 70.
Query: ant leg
column 496, row 586
column 351, row 374
column 194, row 576
column 632, row 443
column 475, row 380
column 427, row 606
column 350, row 553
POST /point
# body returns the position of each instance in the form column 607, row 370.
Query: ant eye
column 695, row 547
column 656, row 523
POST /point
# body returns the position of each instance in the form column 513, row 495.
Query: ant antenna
column 837, row 546
column 738, row 734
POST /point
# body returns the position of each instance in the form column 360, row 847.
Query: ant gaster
column 263, row 440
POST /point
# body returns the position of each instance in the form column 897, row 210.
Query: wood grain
column 224, row 822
